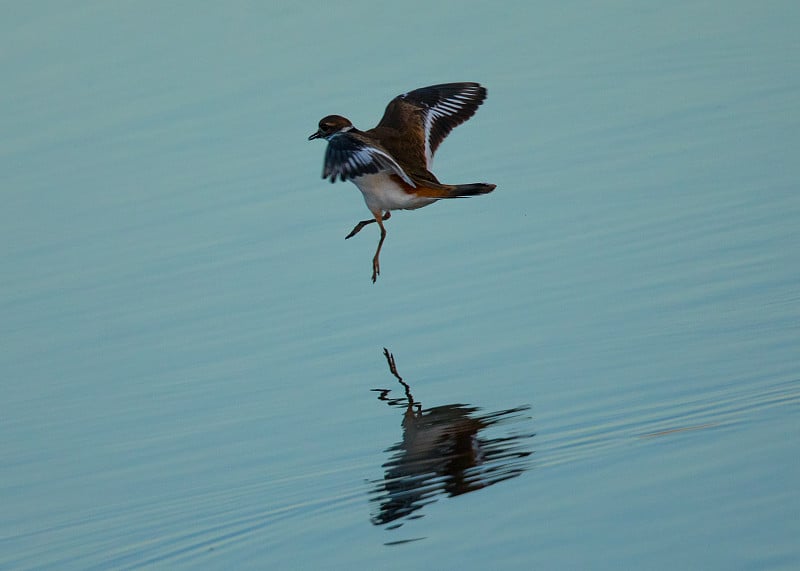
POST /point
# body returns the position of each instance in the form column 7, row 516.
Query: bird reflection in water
column 445, row 450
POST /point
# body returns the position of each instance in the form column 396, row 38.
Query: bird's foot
column 376, row 269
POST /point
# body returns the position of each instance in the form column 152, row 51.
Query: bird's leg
column 376, row 263
column 358, row 228
column 363, row 223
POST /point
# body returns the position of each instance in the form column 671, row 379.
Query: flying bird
column 390, row 164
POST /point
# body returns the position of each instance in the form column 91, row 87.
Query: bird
column 390, row 163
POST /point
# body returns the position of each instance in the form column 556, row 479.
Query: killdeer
column 390, row 164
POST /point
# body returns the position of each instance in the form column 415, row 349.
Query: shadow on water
column 445, row 450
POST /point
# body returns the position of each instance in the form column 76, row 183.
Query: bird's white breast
column 381, row 193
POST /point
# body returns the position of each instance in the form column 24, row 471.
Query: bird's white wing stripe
column 444, row 108
column 429, row 117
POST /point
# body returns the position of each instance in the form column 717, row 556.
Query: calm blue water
column 600, row 358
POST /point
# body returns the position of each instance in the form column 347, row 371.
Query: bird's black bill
column 314, row 136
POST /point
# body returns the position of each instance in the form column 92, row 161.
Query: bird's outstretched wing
column 438, row 110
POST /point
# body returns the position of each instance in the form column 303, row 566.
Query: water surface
column 601, row 354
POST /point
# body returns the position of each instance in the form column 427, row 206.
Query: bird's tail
column 456, row 190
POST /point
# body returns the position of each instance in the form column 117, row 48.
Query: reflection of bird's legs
column 376, row 263
column 392, row 365
column 393, row 370
column 363, row 223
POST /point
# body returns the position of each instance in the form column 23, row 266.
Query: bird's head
column 330, row 126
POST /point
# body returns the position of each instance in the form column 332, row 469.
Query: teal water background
column 189, row 348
